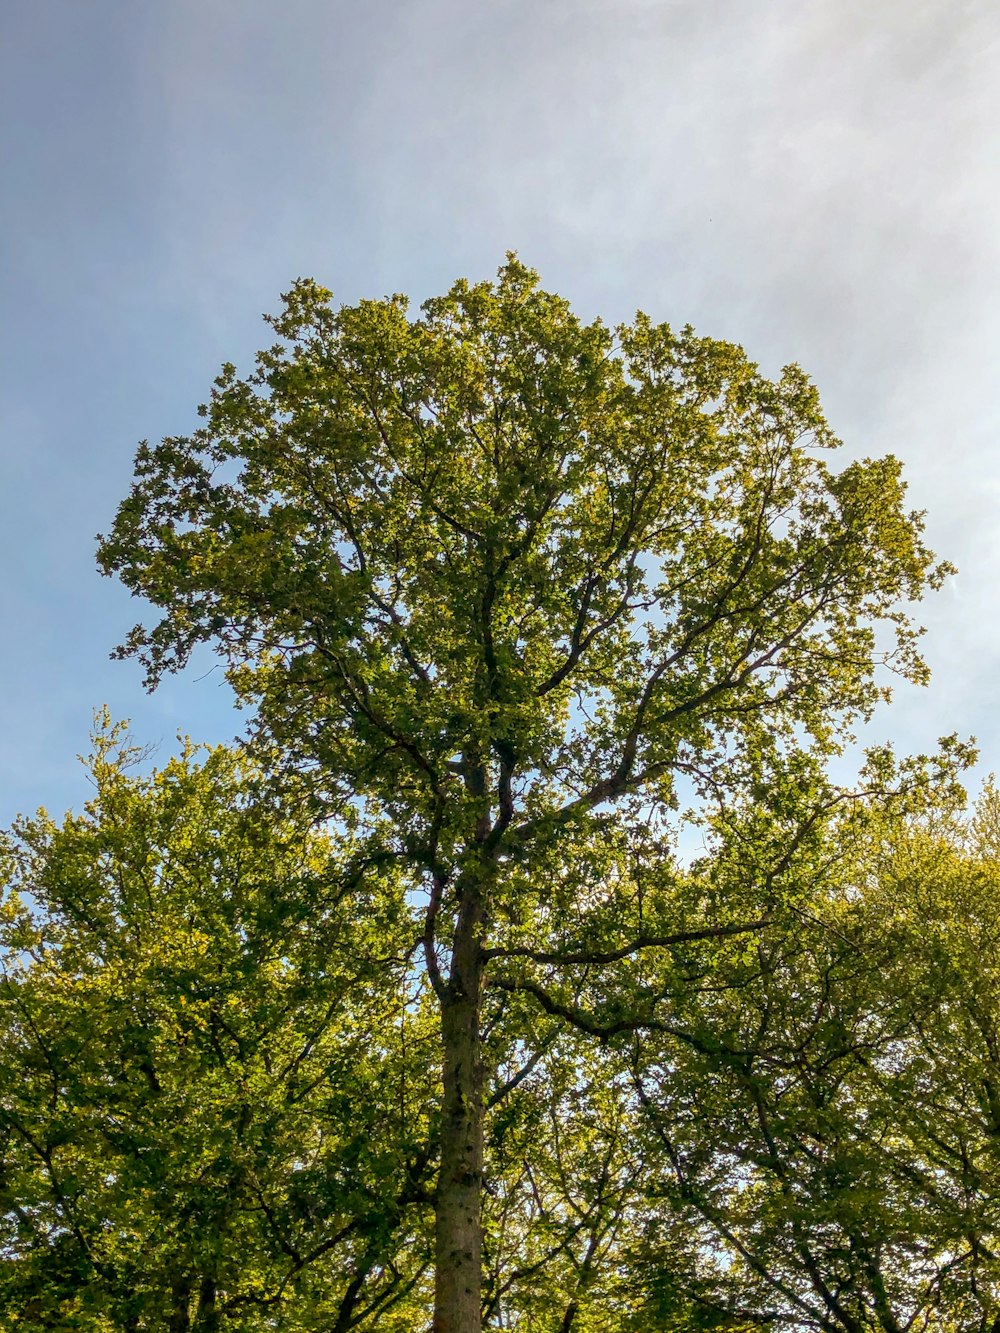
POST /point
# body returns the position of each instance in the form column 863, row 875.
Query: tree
column 211, row 1113
column 850, row 1179
column 500, row 582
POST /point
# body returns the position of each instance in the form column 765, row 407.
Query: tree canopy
column 208, row 1085
column 492, row 571
column 513, row 597
column 220, row 1068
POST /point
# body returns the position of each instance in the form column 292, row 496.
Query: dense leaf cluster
column 221, row 1073
column 420, row 1008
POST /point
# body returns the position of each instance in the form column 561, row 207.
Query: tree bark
column 458, row 1225
column 207, row 1318
column 569, row 1318
column 180, row 1299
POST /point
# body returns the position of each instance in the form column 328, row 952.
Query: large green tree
column 499, row 582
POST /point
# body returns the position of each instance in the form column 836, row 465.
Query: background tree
column 849, row 1181
column 563, row 1192
column 498, row 580
column 213, row 1101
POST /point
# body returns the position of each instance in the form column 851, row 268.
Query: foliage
column 505, row 590
column 219, row 1076
column 849, row 1181
column 212, row 1094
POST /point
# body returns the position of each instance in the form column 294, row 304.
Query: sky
column 818, row 180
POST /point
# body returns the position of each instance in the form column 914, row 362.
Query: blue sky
column 816, row 179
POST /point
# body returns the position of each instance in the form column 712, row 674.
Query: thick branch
column 585, row 1022
column 588, row 956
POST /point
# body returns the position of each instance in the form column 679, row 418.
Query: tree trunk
column 458, row 1226
column 207, row 1318
column 180, row 1301
column 569, row 1318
